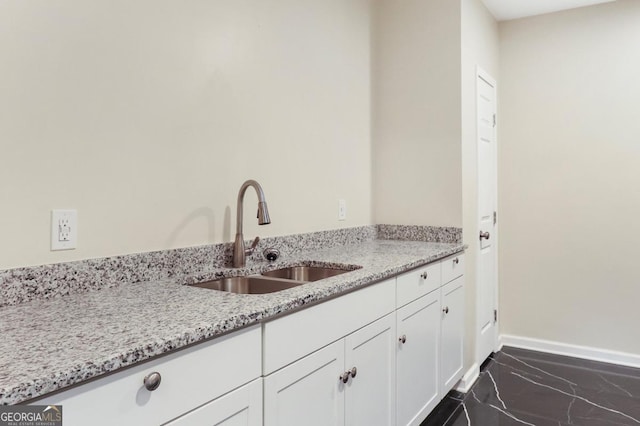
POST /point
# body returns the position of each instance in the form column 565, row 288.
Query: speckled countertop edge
column 48, row 345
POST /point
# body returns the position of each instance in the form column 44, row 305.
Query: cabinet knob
column 152, row 381
column 403, row 339
column 445, row 309
column 344, row 377
column 354, row 371
column 424, row 275
column 456, row 261
column 484, row 235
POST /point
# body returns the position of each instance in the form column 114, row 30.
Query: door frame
column 482, row 74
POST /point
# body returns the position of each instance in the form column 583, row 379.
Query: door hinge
column 495, row 217
column 494, row 120
column 495, row 316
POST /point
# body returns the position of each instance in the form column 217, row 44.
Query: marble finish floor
column 520, row 387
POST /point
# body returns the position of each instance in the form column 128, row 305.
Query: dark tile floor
column 520, row 387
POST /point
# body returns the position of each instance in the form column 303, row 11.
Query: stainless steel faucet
column 239, row 251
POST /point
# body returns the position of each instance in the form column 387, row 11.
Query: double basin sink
column 272, row 281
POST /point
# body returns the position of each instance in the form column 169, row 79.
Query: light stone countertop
column 47, row 345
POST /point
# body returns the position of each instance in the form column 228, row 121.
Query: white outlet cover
column 342, row 209
column 64, row 229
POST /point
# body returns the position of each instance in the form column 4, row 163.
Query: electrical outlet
column 342, row 210
column 64, row 229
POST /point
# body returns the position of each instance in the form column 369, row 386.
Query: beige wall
column 147, row 116
column 416, row 113
column 569, row 154
column 480, row 42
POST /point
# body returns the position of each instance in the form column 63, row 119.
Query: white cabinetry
column 294, row 336
column 430, row 331
column 452, row 331
column 190, row 378
column 370, row 358
column 308, row 391
column 308, row 353
column 418, row 282
column 351, row 381
column 418, row 325
column 241, row 407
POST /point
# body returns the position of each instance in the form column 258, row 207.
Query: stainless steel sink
column 249, row 285
column 305, row 273
column 272, row 281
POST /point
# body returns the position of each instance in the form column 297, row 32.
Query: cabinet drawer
column 452, row 267
column 291, row 337
column 417, row 283
column 190, row 378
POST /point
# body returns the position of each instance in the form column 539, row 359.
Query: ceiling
column 504, row 10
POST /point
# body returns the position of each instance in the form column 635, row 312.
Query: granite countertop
column 48, row 345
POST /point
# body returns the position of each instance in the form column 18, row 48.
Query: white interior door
column 487, row 207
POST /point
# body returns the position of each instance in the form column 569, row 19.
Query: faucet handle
column 249, row 251
column 255, row 243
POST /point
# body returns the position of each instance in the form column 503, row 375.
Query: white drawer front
column 452, row 267
column 414, row 284
column 292, row 337
column 190, row 378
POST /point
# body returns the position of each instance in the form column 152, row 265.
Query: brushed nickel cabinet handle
column 445, row 310
column 152, row 381
column 403, row 339
column 344, row 377
column 484, row 235
column 424, row 275
column 354, row 371
column 456, row 260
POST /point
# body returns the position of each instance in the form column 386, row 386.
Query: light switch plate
column 64, row 229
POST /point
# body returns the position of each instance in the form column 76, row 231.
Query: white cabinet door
column 452, row 329
column 418, row 354
column 371, row 355
column 307, row 392
column 242, row 407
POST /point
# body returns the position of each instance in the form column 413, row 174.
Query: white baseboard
column 468, row 379
column 584, row 352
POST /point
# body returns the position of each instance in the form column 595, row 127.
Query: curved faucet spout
column 239, row 251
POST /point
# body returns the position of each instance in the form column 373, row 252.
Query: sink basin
column 271, row 281
column 305, row 273
column 249, row 285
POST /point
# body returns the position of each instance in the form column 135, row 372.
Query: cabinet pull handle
column 152, row 381
column 456, row 260
column 344, row 377
column 424, row 275
column 484, row 235
column 354, row 371
column 403, row 339
column 445, row 310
